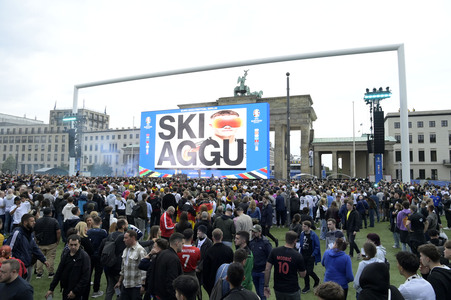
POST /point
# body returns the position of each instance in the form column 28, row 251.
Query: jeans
column 259, row 282
column 141, row 224
column 97, row 269
column 111, row 280
column 323, row 229
column 288, row 296
column 8, row 223
column 281, row 216
column 371, row 215
column 396, row 239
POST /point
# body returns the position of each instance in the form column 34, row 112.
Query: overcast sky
column 47, row 47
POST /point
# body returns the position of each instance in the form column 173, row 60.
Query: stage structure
column 399, row 48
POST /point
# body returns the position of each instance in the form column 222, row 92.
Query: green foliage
column 10, row 164
column 100, row 170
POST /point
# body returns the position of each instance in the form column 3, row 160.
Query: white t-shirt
column 20, row 211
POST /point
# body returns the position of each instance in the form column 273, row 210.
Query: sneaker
column 51, row 275
column 38, row 276
column 306, row 290
column 97, row 294
column 316, row 284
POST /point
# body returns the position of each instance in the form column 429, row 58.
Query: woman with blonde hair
column 82, row 229
column 254, row 212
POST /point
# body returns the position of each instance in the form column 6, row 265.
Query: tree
column 10, row 164
column 100, row 170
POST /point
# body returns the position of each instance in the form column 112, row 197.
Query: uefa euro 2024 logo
column 256, row 113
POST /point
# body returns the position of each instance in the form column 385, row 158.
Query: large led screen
column 221, row 141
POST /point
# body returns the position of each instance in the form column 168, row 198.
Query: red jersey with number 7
column 189, row 257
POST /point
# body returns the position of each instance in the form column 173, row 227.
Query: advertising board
column 221, row 141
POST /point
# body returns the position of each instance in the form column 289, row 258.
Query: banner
column 220, row 141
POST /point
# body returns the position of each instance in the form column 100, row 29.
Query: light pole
column 288, row 128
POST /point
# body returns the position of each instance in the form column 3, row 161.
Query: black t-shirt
column 307, row 245
column 417, row 225
column 287, row 263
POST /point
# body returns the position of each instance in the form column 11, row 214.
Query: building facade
column 36, row 145
column 429, row 144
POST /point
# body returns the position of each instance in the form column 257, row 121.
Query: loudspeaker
column 369, row 146
column 379, row 132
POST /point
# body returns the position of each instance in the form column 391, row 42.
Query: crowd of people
column 172, row 238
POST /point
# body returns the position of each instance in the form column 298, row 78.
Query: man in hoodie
column 309, row 247
column 376, row 240
column 23, row 245
column 438, row 275
column 225, row 223
column 9, row 201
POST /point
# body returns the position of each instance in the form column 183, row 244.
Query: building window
column 62, row 158
column 42, row 157
column 422, row 174
column 107, row 137
column 35, row 157
column 29, row 157
column 449, row 138
column 420, row 138
column 48, row 157
column 444, row 123
column 411, row 159
column 431, row 123
column 432, row 138
column 112, row 136
column 118, row 136
column 410, row 124
column 56, row 148
column 397, row 156
column 97, row 137
column 433, row 155
column 56, row 139
column 50, row 148
column 434, row 174
column 63, row 148
column 63, row 138
column 96, row 148
column 90, row 138
column 50, row 138
column 101, row 137
column 397, row 125
column 410, row 139
column 90, row 147
column 55, row 157
column 421, row 155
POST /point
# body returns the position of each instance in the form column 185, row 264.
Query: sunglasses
column 221, row 123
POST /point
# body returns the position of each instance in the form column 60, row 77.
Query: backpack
column 108, row 256
column 136, row 211
column 156, row 204
column 216, row 292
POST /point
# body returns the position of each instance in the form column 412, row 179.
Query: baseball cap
column 257, row 228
